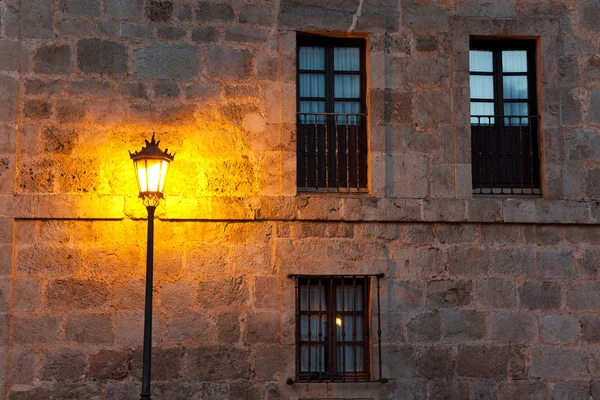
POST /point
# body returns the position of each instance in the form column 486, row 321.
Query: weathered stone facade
column 483, row 298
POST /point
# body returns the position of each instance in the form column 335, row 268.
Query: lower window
column 333, row 328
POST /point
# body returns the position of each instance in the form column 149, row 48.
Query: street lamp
column 151, row 166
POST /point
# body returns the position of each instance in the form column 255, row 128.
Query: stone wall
column 483, row 298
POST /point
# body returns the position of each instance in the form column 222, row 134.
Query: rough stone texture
column 491, row 298
column 168, row 62
column 101, row 57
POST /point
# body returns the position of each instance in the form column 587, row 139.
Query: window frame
column 530, row 183
column 332, row 179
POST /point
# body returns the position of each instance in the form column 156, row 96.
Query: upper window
column 331, row 138
column 504, row 117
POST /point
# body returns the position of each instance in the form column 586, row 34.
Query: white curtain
column 349, row 328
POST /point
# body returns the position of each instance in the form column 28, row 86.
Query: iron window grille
column 335, row 331
column 504, row 118
column 331, row 118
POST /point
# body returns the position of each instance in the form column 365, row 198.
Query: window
column 333, row 328
column 331, row 120
column 504, row 117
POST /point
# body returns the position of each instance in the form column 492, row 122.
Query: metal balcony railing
column 332, row 152
column 505, row 155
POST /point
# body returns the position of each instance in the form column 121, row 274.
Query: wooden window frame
column 332, row 181
column 530, row 184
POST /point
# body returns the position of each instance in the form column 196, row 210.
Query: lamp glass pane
column 150, row 175
column 140, row 169
column 164, row 166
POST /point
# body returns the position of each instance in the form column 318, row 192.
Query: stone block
column 577, row 390
column 417, row 262
column 485, row 211
column 205, row 35
column 588, row 263
column 557, row 362
column 401, row 361
column 163, row 61
column 496, row 293
column 73, row 294
column 464, row 325
column 192, row 327
column 106, row 112
column 429, row 71
column 425, row 16
column 89, row 329
column 256, row 16
column 109, row 364
column 37, row 86
column 170, row 32
column 571, row 111
column 74, row 27
column 35, row 329
column 90, row 87
column 589, row 15
column 212, row 12
column 122, row 390
column 514, row 327
column 67, row 112
column 267, row 292
column 37, row 109
column 159, row 10
column 446, row 210
column 524, row 390
column 552, row 264
column 222, row 293
column 426, row 44
column 407, row 295
column 205, row 364
column 21, row 362
column 482, row 361
column 435, row 362
column 583, row 145
column 14, row 53
column 26, row 294
column 245, row 391
column 455, row 233
column 228, row 327
column 29, row 19
column 245, row 35
column 425, row 327
column 8, row 92
column 95, row 56
column 176, row 295
column 107, row 27
column 449, row 293
column 125, row 9
column 166, row 363
column 136, row 31
column 592, row 183
column 591, row 71
column 228, row 63
column 590, row 329
column 498, row 9
column 540, row 296
column 408, row 178
column 468, row 260
column 542, row 235
column 434, row 108
column 263, row 327
column 133, row 90
column 80, row 7
column 184, row 12
column 64, row 365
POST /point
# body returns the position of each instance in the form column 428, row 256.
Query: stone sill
column 305, row 208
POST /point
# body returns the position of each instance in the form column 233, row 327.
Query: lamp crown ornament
column 152, row 150
column 151, row 166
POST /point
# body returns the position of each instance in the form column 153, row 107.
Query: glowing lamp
column 151, row 166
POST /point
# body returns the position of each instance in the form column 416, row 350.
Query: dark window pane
column 480, row 111
column 482, row 87
column 515, row 110
column 311, row 58
column 346, row 59
column 347, row 86
column 515, row 87
column 480, row 61
column 312, row 85
column 514, row 61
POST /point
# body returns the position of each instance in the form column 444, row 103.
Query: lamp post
column 151, row 166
